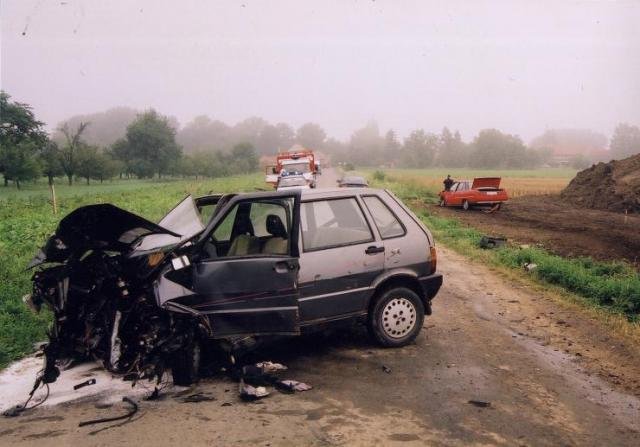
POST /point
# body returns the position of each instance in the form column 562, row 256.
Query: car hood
column 102, row 226
column 486, row 182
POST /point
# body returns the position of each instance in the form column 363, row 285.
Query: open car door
column 244, row 277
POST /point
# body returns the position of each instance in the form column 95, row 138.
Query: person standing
column 448, row 183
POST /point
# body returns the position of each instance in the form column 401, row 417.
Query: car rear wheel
column 185, row 365
column 396, row 317
column 465, row 205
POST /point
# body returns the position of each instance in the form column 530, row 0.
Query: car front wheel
column 396, row 317
column 185, row 365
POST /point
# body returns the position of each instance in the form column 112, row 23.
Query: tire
column 465, row 205
column 442, row 202
column 388, row 324
column 185, row 365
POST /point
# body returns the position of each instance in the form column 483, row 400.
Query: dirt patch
column 613, row 186
column 561, row 228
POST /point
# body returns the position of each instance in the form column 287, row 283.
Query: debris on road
column 492, row 241
column 530, row 266
column 270, row 367
column 85, row 383
column 250, row 393
column 133, row 410
column 197, row 397
column 386, row 369
column 480, row 403
column 292, row 386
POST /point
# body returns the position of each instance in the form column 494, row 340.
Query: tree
column 244, row 158
column 269, row 140
column 625, row 141
column 419, row 149
column 366, row 146
column 311, row 136
column 151, row 140
column 50, row 160
column 203, row 133
column 452, row 152
column 106, row 127
column 391, row 146
column 20, row 162
column 494, row 149
column 69, row 151
column 286, row 135
column 248, row 131
column 19, row 131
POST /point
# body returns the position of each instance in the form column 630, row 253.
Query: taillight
column 434, row 258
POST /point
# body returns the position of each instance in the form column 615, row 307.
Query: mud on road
column 559, row 227
column 551, row 376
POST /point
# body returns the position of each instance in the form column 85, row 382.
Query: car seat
column 277, row 244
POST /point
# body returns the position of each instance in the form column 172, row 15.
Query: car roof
column 337, row 192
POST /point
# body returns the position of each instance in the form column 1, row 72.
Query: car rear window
column 333, row 223
column 387, row 223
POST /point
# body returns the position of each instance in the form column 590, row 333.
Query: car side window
column 253, row 228
column 387, row 223
column 455, row 187
column 333, row 223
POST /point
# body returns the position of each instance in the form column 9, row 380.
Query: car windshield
column 184, row 219
column 292, row 181
column 296, row 167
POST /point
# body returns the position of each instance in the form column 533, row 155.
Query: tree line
column 147, row 149
column 123, row 142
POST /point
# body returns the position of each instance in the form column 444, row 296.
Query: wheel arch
column 406, row 279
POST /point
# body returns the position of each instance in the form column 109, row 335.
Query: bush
column 349, row 167
column 379, row 176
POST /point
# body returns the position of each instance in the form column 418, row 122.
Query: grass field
column 27, row 220
column 517, row 182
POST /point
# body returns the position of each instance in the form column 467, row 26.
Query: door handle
column 285, row 266
column 373, row 250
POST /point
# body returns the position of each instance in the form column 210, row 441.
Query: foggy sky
column 521, row 67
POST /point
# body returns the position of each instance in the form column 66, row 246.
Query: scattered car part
column 270, row 367
column 85, row 383
column 292, row 386
column 197, row 397
column 250, row 393
column 133, row 410
column 480, row 403
column 386, row 369
column 492, row 241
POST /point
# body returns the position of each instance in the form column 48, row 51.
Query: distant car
column 353, row 182
column 483, row 191
column 143, row 297
column 292, row 182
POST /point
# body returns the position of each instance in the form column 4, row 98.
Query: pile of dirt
column 613, row 186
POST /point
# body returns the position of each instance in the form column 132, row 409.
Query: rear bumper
column 431, row 285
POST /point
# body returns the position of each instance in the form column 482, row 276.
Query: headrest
column 275, row 226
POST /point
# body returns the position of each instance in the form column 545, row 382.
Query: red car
column 483, row 191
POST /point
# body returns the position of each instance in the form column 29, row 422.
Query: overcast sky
column 521, row 67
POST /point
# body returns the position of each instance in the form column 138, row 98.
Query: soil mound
column 613, row 186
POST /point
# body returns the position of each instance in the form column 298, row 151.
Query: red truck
column 300, row 162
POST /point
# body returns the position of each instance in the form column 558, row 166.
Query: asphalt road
column 539, row 371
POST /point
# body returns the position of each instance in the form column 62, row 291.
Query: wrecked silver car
column 143, row 298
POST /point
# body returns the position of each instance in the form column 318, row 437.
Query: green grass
column 26, row 221
column 613, row 286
